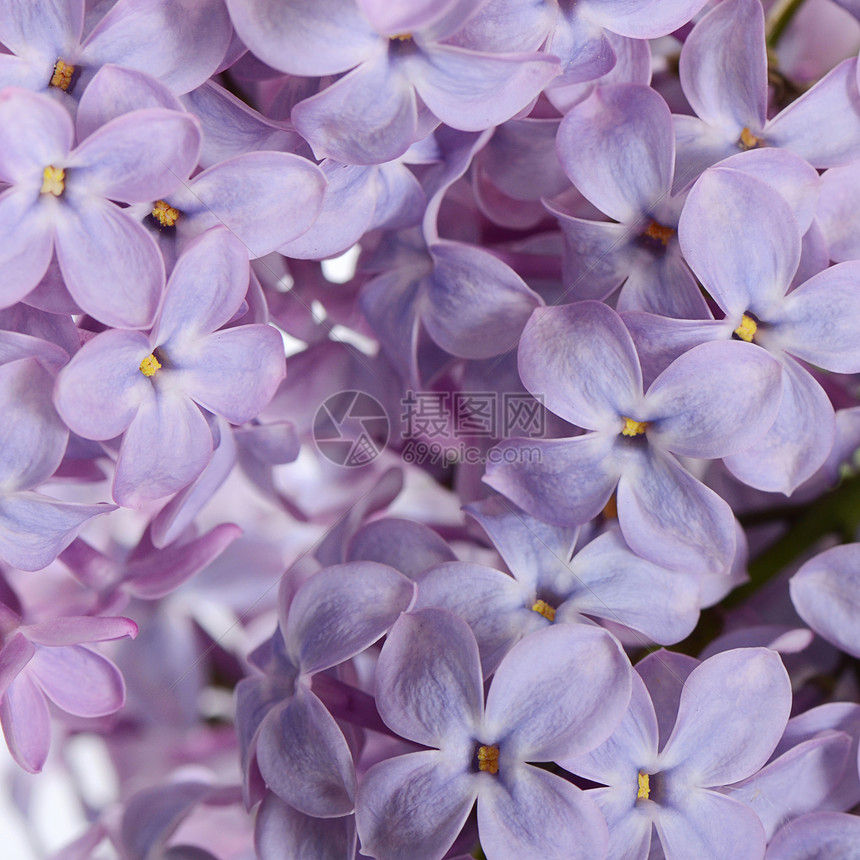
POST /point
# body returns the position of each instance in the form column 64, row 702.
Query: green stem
column 779, row 18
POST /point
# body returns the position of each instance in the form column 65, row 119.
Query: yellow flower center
column 543, row 608
column 644, row 787
column 62, row 75
column 53, row 181
column 488, row 759
column 149, row 365
column 659, row 232
column 164, row 213
column 748, row 140
column 401, row 37
column 747, row 329
column 610, row 509
column 633, row 428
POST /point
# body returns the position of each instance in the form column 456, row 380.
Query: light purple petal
column 823, row 125
column 99, row 392
column 282, row 831
column 26, row 723
column 28, row 243
column 839, row 189
column 664, row 673
column 670, row 518
column 392, row 17
column 724, row 67
column 744, row 263
column 307, row 37
column 826, row 594
column 473, row 91
column 52, row 28
column 474, row 305
column 706, row 824
column 559, row 692
column 78, row 680
column 413, row 805
column 565, row 482
column 642, row 20
column 137, row 157
column 15, row 654
column 534, row 815
column 798, row 441
column 342, row 610
column 715, row 400
column 343, row 122
column 34, row 131
column 428, row 680
column 618, row 148
column 733, row 711
column 167, row 445
column 698, row 146
column 304, row 757
column 281, row 195
column 836, row 834
column 110, row 262
column 580, row 361
column 405, row 545
column 76, row 630
column 154, row 36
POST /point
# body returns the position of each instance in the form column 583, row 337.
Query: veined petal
column 535, row 815
column 826, row 593
column 642, row 20
column 304, row 757
column 472, row 91
column 733, row 711
column 405, row 545
column 414, row 805
column 806, row 836
column 283, row 831
column 307, row 37
column 723, row 67
column 839, row 187
column 27, row 243
column 558, row 693
column 580, row 361
column 428, row 680
column 798, row 441
column 618, row 148
column 670, row 518
column 50, row 28
column 166, row 446
column 110, row 262
column 717, row 399
column 78, row 680
column 342, row 610
column 35, row 131
column 280, row 196
column 26, row 723
column 809, row 126
column 137, row 157
column 100, row 390
column 745, row 263
column 343, row 122
column 153, row 36
column 565, row 482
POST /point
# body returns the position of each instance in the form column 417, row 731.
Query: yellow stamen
column 149, row 365
column 659, row 232
column 748, row 140
column 488, row 759
column 53, row 181
column 165, row 214
column 610, row 509
column 62, row 75
column 543, row 608
column 401, row 37
column 634, row 428
column 747, row 329
column 644, row 787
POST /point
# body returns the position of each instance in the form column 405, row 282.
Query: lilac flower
column 49, row 659
column 732, row 712
column 712, row 401
column 404, row 77
column 561, row 689
column 151, row 389
column 60, row 200
column 816, row 836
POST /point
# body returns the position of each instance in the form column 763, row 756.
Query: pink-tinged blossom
column 403, row 77
column 61, row 201
column 49, row 660
column 562, row 689
column 731, row 714
column 154, row 389
column 712, row 401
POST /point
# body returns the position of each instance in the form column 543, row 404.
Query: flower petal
column 26, row 723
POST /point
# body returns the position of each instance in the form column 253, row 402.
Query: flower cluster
column 430, row 429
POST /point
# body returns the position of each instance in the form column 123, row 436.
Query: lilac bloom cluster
column 430, row 429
